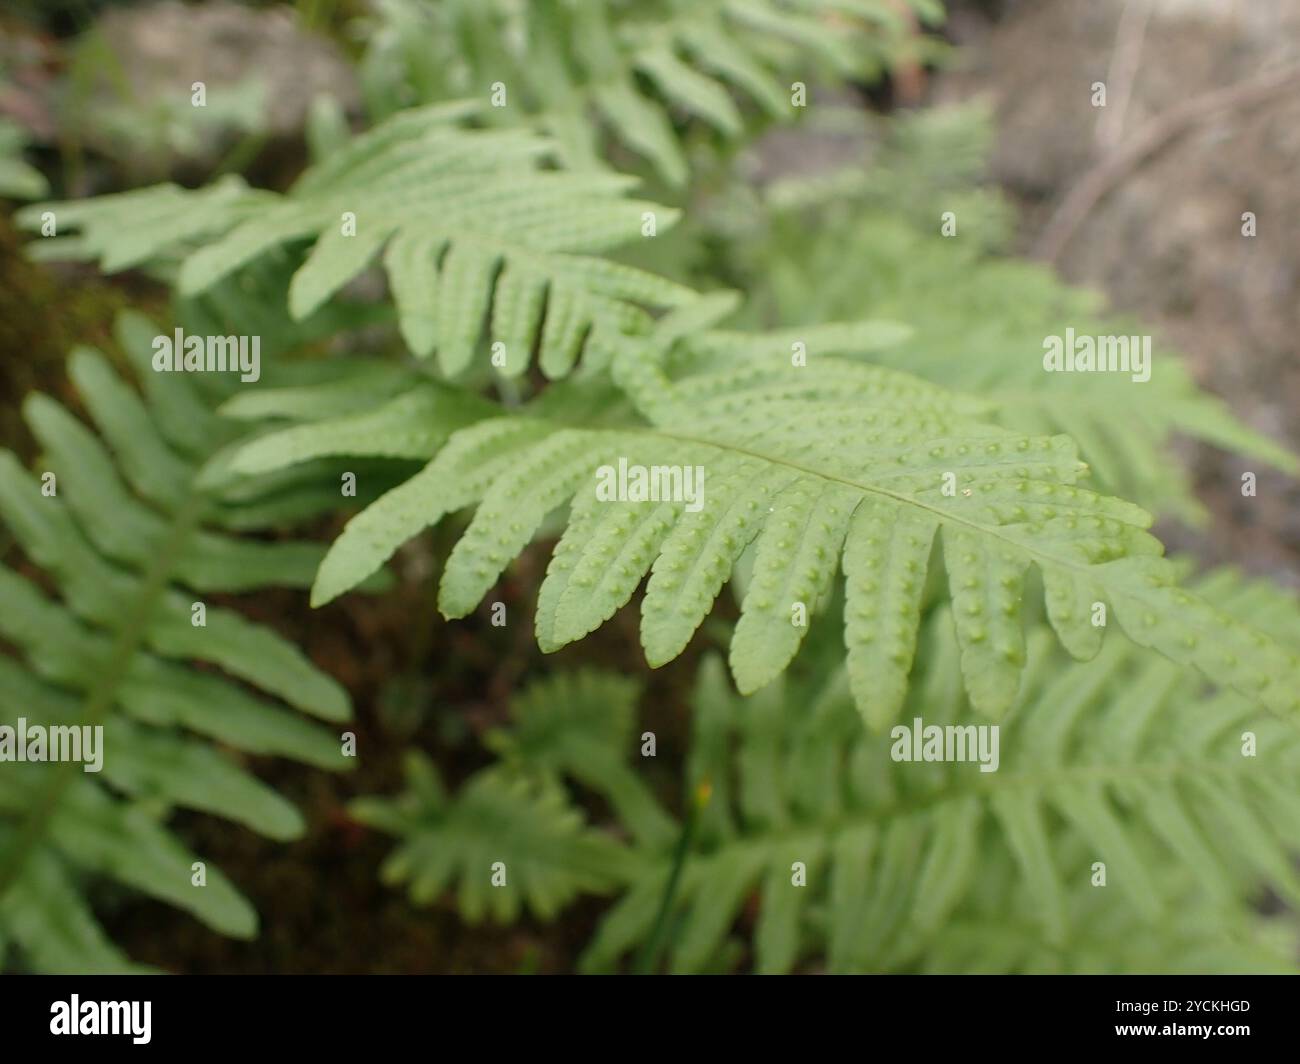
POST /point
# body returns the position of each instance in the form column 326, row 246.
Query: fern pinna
column 816, row 847
column 127, row 532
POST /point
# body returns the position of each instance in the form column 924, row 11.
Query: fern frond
column 1115, row 940
column 823, row 848
column 505, row 842
column 631, row 67
column 474, row 234
column 909, row 164
column 1125, row 760
column 831, row 465
column 579, row 725
column 115, row 645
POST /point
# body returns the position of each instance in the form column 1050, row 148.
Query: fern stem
column 648, row 959
column 129, row 638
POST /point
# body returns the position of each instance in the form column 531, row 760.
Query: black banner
column 344, row 1013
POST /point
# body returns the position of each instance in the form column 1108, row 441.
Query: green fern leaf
column 562, row 64
column 512, row 830
column 823, row 847
column 813, row 464
column 900, row 853
column 116, row 647
column 473, row 232
column 579, row 725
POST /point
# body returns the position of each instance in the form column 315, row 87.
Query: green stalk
column 648, row 959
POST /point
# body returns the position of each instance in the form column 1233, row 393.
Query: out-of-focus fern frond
column 511, row 838
column 18, row 179
column 918, row 164
column 821, row 848
column 568, row 726
column 632, row 66
column 1125, row 760
column 580, row 726
column 126, row 522
column 476, row 236
column 506, row 843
